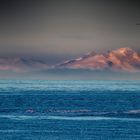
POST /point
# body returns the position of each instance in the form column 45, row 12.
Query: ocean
column 69, row 110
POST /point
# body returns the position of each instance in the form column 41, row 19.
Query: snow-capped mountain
column 122, row 59
column 21, row 64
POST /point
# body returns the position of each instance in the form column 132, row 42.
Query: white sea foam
column 85, row 118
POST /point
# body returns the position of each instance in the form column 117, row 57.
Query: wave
column 133, row 111
column 87, row 112
column 72, row 113
column 82, row 118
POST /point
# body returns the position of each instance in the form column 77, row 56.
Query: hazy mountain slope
column 21, row 65
column 122, row 59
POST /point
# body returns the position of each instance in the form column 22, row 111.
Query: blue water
column 69, row 110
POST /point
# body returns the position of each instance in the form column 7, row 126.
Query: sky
column 57, row 30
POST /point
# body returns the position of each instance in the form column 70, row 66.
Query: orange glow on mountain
column 122, row 59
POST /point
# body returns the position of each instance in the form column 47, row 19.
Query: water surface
column 69, row 110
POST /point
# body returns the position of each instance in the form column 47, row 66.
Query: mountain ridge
column 21, row 64
column 121, row 59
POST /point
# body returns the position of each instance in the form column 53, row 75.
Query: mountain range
column 21, row 64
column 122, row 59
